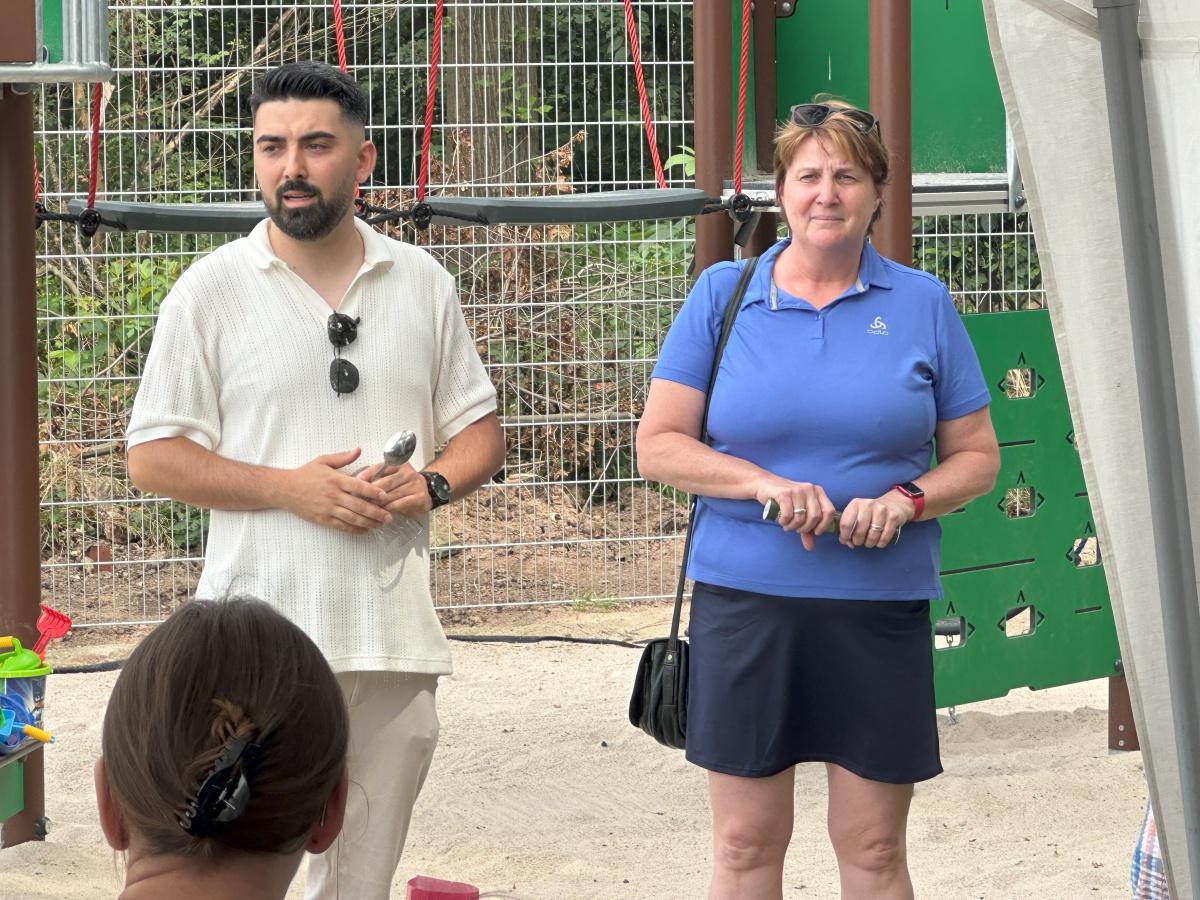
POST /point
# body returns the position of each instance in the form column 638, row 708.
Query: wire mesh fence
column 534, row 98
column 989, row 261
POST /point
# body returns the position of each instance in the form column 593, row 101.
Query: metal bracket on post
column 784, row 8
column 1122, row 731
column 1016, row 187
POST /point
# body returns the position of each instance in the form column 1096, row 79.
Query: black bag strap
column 731, row 311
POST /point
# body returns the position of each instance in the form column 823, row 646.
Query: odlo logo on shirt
column 878, row 326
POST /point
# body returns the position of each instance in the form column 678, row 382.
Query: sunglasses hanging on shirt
column 343, row 374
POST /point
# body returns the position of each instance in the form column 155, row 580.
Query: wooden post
column 18, row 37
column 20, row 545
column 713, row 131
column 891, row 100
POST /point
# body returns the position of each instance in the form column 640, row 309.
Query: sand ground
column 541, row 789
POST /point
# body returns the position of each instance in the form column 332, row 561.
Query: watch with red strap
column 913, row 493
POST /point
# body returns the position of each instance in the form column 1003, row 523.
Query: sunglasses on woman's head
column 343, row 375
column 811, row 115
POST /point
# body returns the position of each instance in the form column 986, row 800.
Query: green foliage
column 685, row 160
column 166, row 522
column 68, row 519
column 989, row 262
column 582, row 34
column 54, row 528
column 521, row 104
column 595, row 307
column 92, row 338
column 677, row 497
column 588, row 601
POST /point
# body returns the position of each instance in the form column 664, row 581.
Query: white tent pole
column 1120, row 51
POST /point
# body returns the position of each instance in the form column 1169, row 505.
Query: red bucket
column 422, row 887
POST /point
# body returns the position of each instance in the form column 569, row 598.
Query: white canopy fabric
column 1047, row 56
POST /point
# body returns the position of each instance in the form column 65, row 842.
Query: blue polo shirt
column 846, row 397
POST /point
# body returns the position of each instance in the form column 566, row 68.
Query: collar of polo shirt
column 375, row 252
column 872, row 272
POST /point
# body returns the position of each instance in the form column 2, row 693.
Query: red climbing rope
column 743, row 66
column 89, row 220
column 341, row 34
column 435, row 54
column 94, row 156
column 636, row 50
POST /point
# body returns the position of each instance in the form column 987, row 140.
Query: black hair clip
column 222, row 798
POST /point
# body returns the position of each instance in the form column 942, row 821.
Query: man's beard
column 312, row 222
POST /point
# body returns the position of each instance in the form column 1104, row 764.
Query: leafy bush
column 989, row 261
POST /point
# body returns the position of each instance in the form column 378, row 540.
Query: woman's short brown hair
column 865, row 149
column 212, row 672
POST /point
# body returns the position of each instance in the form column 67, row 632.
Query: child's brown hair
column 215, row 675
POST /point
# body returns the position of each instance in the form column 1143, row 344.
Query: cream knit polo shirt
column 240, row 365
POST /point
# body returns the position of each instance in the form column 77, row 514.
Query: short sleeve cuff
column 467, row 416
column 161, row 432
column 680, row 376
column 958, row 410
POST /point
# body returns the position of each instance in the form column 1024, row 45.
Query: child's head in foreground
column 225, row 737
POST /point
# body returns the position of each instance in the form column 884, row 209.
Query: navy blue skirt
column 775, row 681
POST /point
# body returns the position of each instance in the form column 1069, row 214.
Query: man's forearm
column 181, row 469
column 472, row 456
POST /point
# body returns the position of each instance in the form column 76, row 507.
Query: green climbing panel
column 958, row 116
column 1025, row 590
column 52, row 30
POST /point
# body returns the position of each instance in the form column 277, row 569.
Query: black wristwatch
column 438, row 487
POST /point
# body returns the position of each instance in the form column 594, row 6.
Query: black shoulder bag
column 659, row 702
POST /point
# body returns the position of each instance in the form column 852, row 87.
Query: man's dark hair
column 311, row 80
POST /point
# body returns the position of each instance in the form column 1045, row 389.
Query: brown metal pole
column 20, row 551
column 18, row 37
column 764, row 117
column 712, row 24
column 891, row 100
column 1122, row 732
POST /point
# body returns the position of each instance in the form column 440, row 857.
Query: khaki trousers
column 393, row 733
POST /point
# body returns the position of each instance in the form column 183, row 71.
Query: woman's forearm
column 682, row 462
column 957, row 480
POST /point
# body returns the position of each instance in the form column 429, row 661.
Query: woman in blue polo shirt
column 842, row 370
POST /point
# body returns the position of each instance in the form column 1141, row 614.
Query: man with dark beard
column 276, row 360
